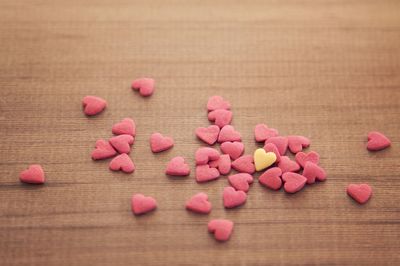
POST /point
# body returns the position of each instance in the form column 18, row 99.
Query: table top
column 328, row 70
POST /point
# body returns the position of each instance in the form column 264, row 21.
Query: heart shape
column 103, row 150
column 262, row 132
column 293, row 182
column 359, row 192
column 377, row 141
column 33, row 175
column 233, row 198
column 144, row 85
column 217, row 102
column 302, row 158
column 280, row 142
column 205, row 173
column 228, row 133
column 263, row 159
column 234, row 149
column 208, row 134
column 222, row 229
column 122, row 143
column 177, row 167
column 122, row 163
column 223, row 164
column 159, row 143
column 141, row 204
column 287, row 165
column 270, row 147
column 241, row 181
column 297, row 143
column 271, row 178
column 93, row 105
column 220, row 117
column 126, row 126
column 312, row 171
column 244, row 164
column 205, row 154
column 199, row 203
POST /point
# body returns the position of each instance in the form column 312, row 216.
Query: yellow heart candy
column 263, row 159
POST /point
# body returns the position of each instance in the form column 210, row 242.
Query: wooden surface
column 329, row 70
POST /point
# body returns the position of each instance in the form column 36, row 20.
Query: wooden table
column 328, row 70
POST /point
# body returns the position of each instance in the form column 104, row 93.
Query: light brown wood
column 328, row 70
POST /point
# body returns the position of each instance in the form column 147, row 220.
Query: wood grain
column 328, row 70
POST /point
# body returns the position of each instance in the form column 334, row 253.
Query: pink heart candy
column 312, row 171
column 293, row 182
column 302, row 158
column 208, row 134
column 233, row 198
column 122, row 143
column 223, row 164
column 377, row 141
column 122, row 163
column 141, row 204
column 359, row 192
column 126, row 126
column 205, row 154
column 93, row 105
column 262, row 132
column 159, row 143
column 244, row 164
column 177, row 167
column 199, row 203
column 217, row 102
column 103, row 150
column 220, row 117
column 241, row 181
column 280, row 142
column 297, row 143
column 222, row 229
column 287, row 165
column 144, row 85
column 271, row 178
column 228, row 133
column 270, row 147
column 233, row 149
column 33, row 175
column 205, row 173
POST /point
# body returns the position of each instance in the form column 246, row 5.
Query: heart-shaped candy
column 359, row 192
column 92, row 105
column 241, row 181
column 270, row 147
column 159, row 143
column 199, row 203
column 263, row 159
column 141, row 204
column 208, row 134
column 280, row 142
column 33, row 175
column 217, row 102
column 122, row 143
column 287, row 165
column 144, row 85
column 244, row 164
column 312, row 171
column 205, row 154
column 233, row 198
column 271, row 178
column 302, row 158
column 220, row 117
column 377, row 141
column 205, row 173
column 103, row 150
column 223, row 164
column 177, row 167
column 122, row 163
column 233, row 149
column 222, row 229
column 262, row 132
column 228, row 133
column 293, row 182
column 297, row 143
column 126, row 126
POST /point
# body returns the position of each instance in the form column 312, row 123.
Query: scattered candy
column 377, row 141
column 159, row 143
column 205, row 154
column 217, row 102
column 262, row 132
column 302, row 158
column 222, row 229
column 287, row 165
column 122, row 163
column 244, row 164
column 126, row 126
column 313, row 172
column 360, row 193
column 208, row 134
column 141, row 204
column 233, row 198
column 293, row 182
column 103, row 150
column 199, row 203
column 220, row 117
column 228, row 133
column 263, row 159
column 205, row 173
column 122, row 143
column 297, row 143
column 144, row 85
column 270, row 147
column 33, row 175
column 223, row 164
column 177, row 167
column 233, row 149
column 271, row 178
column 241, row 181
column 93, row 105
column 280, row 142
